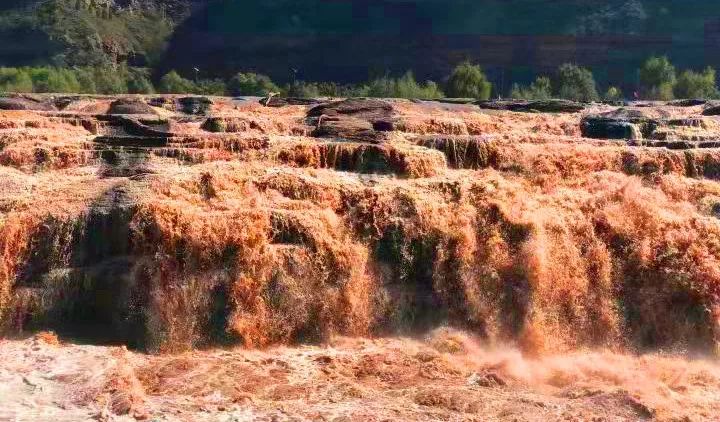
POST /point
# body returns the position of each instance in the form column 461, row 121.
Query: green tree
column 468, row 81
column 431, row 91
column 330, row 89
column 407, row 87
column 40, row 77
column 613, row 94
column 86, row 79
column 51, row 79
column 110, row 81
column 251, row 84
column 378, row 88
column 404, row 87
column 539, row 90
column 211, row 87
column 576, row 83
column 696, row 85
column 138, row 82
column 173, row 83
column 63, row 80
column 15, row 80
column 302, row 89
column 657, row 78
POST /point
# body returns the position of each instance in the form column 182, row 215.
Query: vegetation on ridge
column 657, row 76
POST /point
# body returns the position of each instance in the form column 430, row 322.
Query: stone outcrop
column 25, row 103
column 130, row 106
column 623, row 123
column 712, row 109
column 692, row 102
column 533, row 106
column 369, row 109
column 187, row 105
column 282, row 102
column 363, row 120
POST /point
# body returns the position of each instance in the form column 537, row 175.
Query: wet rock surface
column 346, row 128
column 644, row 127
column 606, row 127
column 276, row 101
column 188, row 105
column 534, row 106
column 623, row 123
column 368, row 109
column 688, row 103
column 25, row 103
column 711, row 109
column 130, row 106
column 194, row 105
column 361, row 120
column 310, row 229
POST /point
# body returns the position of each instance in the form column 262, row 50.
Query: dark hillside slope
column 350, row 40
column 86, row 32
column 347, row 40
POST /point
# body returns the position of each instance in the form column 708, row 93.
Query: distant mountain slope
column 348, row 40
column 87, row 32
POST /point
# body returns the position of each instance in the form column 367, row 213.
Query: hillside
column 87, row 32
column 348, row 41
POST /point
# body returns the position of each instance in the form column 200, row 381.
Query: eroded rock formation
column 260, row 225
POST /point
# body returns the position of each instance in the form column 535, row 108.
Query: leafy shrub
column 576, row 83
column 39, row 77
column 302, row 89
column 657, row 78
column 15, row 80
column 613, row 94
column 86, row 80
column 404, row 87
column 380, row 87
column 468, row 81
column 110, row 81
column 138, row 82
column 330, row 89
column 251, row 84
column 211, row 87
column 519, row 92
column 538, row 90
column 63, row 80
column 50, row 79
column 664, row 92
column 696, row 85
column 360, row 90
column 173, row 83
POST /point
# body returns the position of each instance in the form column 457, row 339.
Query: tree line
column 658, row 80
